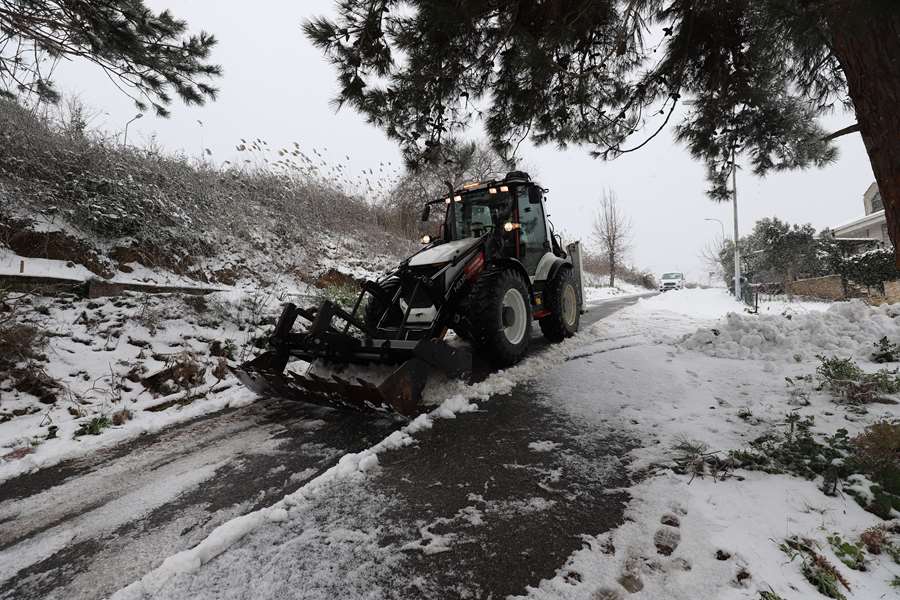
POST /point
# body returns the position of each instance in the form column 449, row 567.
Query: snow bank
column 845, row 329
column 621, row 290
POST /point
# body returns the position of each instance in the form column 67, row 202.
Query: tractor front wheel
column 561, row 299
column 500, row 316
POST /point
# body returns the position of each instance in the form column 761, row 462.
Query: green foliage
column 847, row 552
column 870, row 268
column 853, row 385
column 835, row 458
column 818, row 571
column 775, row 252
column 837, row 369
column 768, row 595
column 580, row 72
column 798, row 452
column 149, row 55
column 886, row 351
column 343, row 294
column 93, row 427
column 877, row 451
column 786, row 251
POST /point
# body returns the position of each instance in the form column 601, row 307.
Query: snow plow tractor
column 494, row 266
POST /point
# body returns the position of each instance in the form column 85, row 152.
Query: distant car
column 671, row 281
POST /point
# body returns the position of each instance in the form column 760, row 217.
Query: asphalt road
column 87, row 527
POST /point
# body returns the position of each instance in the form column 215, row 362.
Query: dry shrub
column 877, row 450
column 220, row 370
column 183, row 372
column 171, row 207
column 121, row 417
column 874, row 539
column 21, row 352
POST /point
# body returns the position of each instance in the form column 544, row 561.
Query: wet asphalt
column 88, row 527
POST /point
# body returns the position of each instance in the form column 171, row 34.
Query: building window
column 877, row 203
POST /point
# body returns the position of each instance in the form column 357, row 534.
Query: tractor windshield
column 479, row 212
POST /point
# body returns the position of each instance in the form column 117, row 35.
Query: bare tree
column 612, row 231
column 459, row 163
column 711, row 257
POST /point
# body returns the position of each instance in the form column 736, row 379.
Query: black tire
column 487, row 313
column 378, row 302
column 563, row 320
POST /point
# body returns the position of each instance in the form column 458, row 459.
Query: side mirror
column 426, row 212
column 534, row 195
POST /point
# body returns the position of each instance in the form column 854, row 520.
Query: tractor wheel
column 500, row 316
column 377, row 304
column 561, row 299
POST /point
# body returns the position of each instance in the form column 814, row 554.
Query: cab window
column 532, row 230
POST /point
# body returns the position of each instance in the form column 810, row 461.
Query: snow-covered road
column 85, row 528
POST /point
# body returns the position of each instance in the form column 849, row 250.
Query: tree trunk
column 612, row 271
column 866, row 42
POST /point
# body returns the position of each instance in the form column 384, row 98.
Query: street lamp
column 721, row 224
column 134, row 118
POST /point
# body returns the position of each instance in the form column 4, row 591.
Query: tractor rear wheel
column 500, row 316
column 378, row 303
column 561, row 299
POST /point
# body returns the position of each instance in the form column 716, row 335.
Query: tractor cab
column 510, row 212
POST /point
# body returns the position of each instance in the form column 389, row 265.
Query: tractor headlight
column 426, row 239
column 510, row 226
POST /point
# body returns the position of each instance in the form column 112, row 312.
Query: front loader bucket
column 400, row 392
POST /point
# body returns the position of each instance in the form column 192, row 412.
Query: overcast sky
column 277, row 87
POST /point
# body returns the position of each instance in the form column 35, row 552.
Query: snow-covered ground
column 101, row 352
column 686, row 369
column 683, row 372
column 598, row 293
column 691, row 368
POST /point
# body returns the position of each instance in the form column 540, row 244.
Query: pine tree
column 581, row 71
column 148, row 56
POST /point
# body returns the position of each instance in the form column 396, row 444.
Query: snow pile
column 845, row 329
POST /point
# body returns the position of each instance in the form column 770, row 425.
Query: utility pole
column 737, row 250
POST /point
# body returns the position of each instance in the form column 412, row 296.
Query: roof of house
column 875, row 218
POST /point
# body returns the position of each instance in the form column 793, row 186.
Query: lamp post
column 721, row 224
column 737, row 250
column 134, row 118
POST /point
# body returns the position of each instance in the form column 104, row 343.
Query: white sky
column 277, row 87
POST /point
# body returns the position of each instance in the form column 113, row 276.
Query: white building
column 872, row 225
